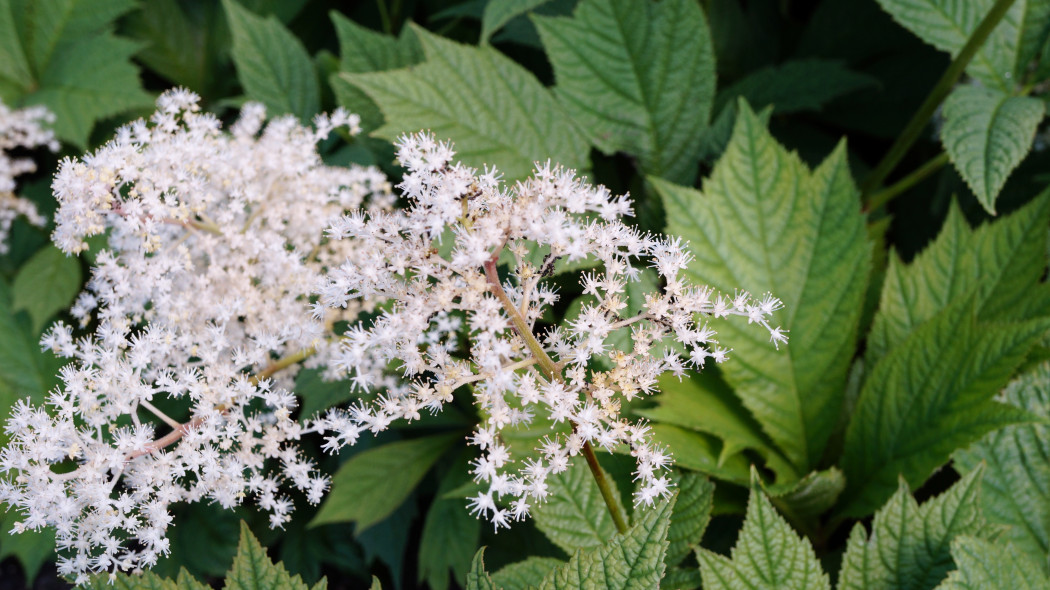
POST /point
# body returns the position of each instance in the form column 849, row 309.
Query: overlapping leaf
column 765, row 222
column 639, row 77
column 689, row 519
column 575, row 515
column 495, row 111
column 798, row 85
column 450, row 534
column 1015, row 490
column 524, row 574
column 984, row 564
column 986, row 134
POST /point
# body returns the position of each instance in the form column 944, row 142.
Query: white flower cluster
column 438, row 261
column 215, row 241
column 27, row 129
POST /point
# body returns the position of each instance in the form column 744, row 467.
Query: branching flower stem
column 552, row 370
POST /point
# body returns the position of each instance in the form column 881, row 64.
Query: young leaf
column 798, row 85
column 633, row 560
column 373, row 483
column 272, row 64
column 46, row 284
column 928, row 397
column 575, row 515
column 768, row 554
column 984, row 564
column 495, row 111
column 692, row 512
column 810, row 496
column 1003, row 260
column 639, row 77
column 909, row 544
column 986, row 134
column 478, row 578
column 764, row 222
column 525, row 574
column 1015, row 490
column 63, row 54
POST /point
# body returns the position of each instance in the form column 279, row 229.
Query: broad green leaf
column 574, row 515
column 46, row 284
column 810, row 496
column 30, row 548
column 704, row 403
column 364, row 50
column 372, row 484
column 495, row 111
column 63, row 54
column 185, row 581
column 984, row 564
column 498, row 14
column 703, row 453
column 633, row 560
column 908, row 548
column 450, row 533
column 143, row 581
column 478, row 578
column 689, row 519
column 252, row 569
column 948, row 24
column 765, row 222
column 639, row 77
column 928, row 397
column 525, row 574
column 1015, row 490
column 986, row 134
column 798, row 85
column 1003, row 260
column 319, row 394
column 272, row 64
column 182, row 42
column 768, row 554
column 717, row 136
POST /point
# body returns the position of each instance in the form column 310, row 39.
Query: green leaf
column 798, row 85
column 633, row 560
column 498, row 14
column 525, row 574
column 253, row 570
column 1015, row 490
column 364, row 50
column 319, row 394
column 765, row 222
column 46, row 284
column 574, row 515
column 986, row 134
column 810, row 496
column 30, row 548
column 908, row 548
column 983, row 564
column 928, row 397
column 639, row 77
column 272, row 64
column 144, row 581
column 372, row 484
column 495, row 111
column 1003, row 260
column 768, row 554
column 948, row 24
column 703, row 453
column 450, row 533
column 63, row 54
column 478, row 578
column 689, row 519
column 181, row 42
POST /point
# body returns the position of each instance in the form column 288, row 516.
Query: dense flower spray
column 22, row 128
column 215, row 240
column 439, row 263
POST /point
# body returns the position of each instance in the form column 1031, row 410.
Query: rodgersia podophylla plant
column 215, row 240
column 22, row 128
column 439, row 262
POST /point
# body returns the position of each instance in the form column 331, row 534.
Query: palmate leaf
column 986, row 134
column 1015, row 490
column 1003, row 261
column 495, row 111
column 372, row 484
column 984, row 564
column 908, row 548
column 272, row 64
column 574, row 515
column 631, row 561
column 63, row 54
column 765, row 222
column 639, row 77
column 928, row 397
column 768, row 555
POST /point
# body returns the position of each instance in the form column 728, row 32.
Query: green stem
column 282, row 363
column 887, row 194
column 551, row 369
column 918, row 122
